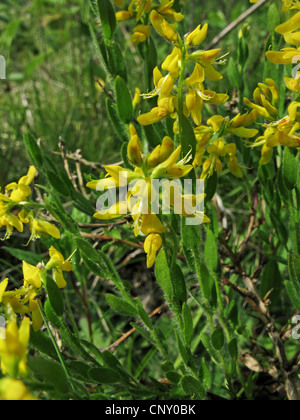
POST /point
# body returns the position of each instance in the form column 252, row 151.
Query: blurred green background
column 52, row 67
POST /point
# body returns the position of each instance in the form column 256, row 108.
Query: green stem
column 55, row 345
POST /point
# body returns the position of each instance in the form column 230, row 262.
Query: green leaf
column 55, row 208
column 124, row 100
column 104, row 375
column 173, row 377
column 115, row 60
column 163, row 276
column 27, row 256
column 233, row 74
column 191, row 236
column 108, row 18
column 182, row 349
column 211, row 185
column 51, row 372
column 211, row 250
column 55, row 296
column 118, row 125
column 42, row 343
column 233, row 349
column 290, row 168
column 167, row 366
column 273, row 17
column 205, row 375
column 187, row 324
column 121, row 306
column 193, row 387
column 179, row 285
column 218, row 339
column 294, row 270
column 57, row 183
column 33, row 150
column 67, row 337
column 293, row 294
column 189, row 141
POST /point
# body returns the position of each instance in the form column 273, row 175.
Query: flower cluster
column 15, row 198
column 140, row 10
column 221, row 126
column 280, row 131
column 291, row 34
column 170, row 86
column 24, row 302
column 140, row 197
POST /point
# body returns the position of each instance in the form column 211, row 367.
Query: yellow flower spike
column 3, row 286
column 152, row 245
column 14, row 390
column 197, row 36
column 32, row 276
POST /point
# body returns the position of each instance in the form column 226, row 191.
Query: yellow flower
column 290, row 4
column 285, row 56
column 140, row 34
column 21, row 191
column 13, row 350
column 267, row 98
column 3, row 286
column 135, row 149
column 282, row 132
column 197, row 95
column 197, row 36
column 11, row 221
column 164, row 28
column 37, row 226
column 32, row 276
column 162, row 163
column 58, row 264
column 161, row 153
column 152, row 245
column 14, row 390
